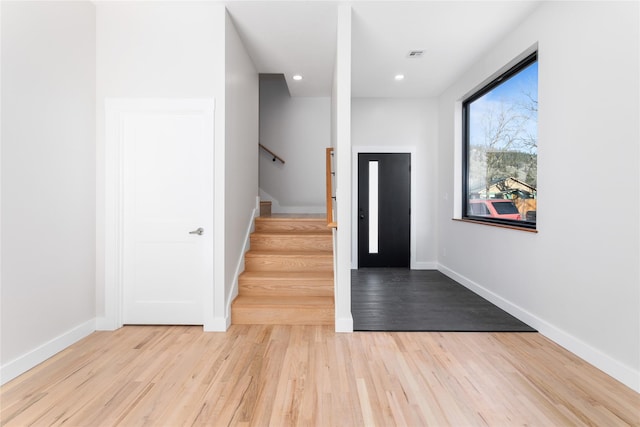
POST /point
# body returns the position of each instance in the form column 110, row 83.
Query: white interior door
column 167, row 166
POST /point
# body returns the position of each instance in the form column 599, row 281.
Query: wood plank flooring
column 311, row 376
column 399, row 299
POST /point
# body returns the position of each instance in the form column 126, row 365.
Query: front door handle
column 198, row 231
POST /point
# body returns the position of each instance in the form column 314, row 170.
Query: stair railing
column 275, row 156
column 330, row 178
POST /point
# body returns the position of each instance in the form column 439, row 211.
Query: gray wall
column 241, row 153
column 577, row 279
column 48, row 179
column 298, row 129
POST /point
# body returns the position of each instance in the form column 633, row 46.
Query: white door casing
column 159, row 188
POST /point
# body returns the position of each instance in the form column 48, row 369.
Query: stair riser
column 288, row 278
column 288, row 263
column 285, row 288
column 292, row 243
column 282, row 316
column 288, row 226
column 265, row 208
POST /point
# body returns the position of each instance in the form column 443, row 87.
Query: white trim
column 106, row 324
column 425, row 265
column 113, row 250
column 218, row 324
column 114, row 197
column 31, row 359
column 240, row 266
column 355, row 150
column 256, row 210
column 344, row 324
column 625, row 374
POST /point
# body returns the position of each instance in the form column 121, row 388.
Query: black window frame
column 503, row 77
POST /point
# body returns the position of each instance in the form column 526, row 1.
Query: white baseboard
column 625, row 374
column 38, row 355
column 344, row 324
column 106, row 324
column 239, row 267
column 424, row 265
column 218, row 324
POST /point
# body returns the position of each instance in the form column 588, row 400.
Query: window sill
column 491, row 224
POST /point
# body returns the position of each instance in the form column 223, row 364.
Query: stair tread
column 288, row 275
column 301, row 233
column 284, row 301
column 294, row 217
column 289, row 253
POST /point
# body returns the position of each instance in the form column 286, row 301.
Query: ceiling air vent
column 415, row 53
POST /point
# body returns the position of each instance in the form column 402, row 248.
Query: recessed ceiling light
column 297, row 77
column 399, row 77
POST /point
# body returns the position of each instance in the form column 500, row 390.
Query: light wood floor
column 309, row 375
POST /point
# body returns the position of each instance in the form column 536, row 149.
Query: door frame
column 355, row 151
column 115, row 109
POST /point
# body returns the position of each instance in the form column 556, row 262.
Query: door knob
column 198, row 231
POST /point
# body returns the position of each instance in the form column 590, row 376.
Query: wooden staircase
column 288, row 276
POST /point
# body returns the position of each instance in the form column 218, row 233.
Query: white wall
column 298, row 129
column 577, row 279
column 241, row 153
column 48, row 185
column 162, row 50
column 386, row 125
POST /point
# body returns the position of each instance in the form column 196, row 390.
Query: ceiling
column 299, row 37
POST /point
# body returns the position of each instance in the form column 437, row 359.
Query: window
column 500, row 156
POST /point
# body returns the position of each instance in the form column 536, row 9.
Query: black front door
column 384, row 209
